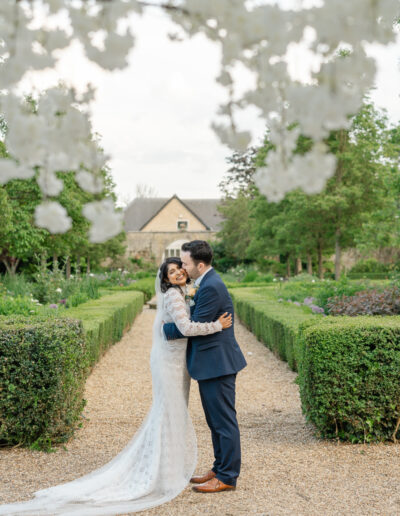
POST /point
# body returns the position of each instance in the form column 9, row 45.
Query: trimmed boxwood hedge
column 105, row 319
column 44, row 363
column 276, row 324
column 349, row 377
column 349, row 367
column 145, row 285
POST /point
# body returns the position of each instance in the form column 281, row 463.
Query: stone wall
column 351, row 256
column 151, row 245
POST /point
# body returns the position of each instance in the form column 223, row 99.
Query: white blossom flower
column 89, row 182
column 237, row 140
column 106, row 223
column 49, row 183
column 258, row 35
column 10, row 170
column 116, row 48
column 53, row 217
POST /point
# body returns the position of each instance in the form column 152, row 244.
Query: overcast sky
column 154, row 116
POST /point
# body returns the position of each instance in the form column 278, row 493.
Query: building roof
column 141, row 210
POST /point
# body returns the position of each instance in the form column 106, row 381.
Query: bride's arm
column 176, row 307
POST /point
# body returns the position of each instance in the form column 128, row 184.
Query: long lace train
column 157, row 463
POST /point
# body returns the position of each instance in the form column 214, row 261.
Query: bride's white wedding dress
column 156, row 465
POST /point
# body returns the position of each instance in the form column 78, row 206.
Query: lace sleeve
column 176, row 307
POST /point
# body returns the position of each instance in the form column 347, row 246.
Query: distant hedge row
column 348, row 367
column 145, row 285
column 44, row 363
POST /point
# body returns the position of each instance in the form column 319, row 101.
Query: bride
column 158, row 462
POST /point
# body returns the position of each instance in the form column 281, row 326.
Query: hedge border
column 348, row 367
column 57, row 354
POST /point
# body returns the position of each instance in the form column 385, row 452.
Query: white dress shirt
column 199, row 279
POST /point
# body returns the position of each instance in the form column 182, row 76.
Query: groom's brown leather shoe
column 204, row 478
column 213, row 486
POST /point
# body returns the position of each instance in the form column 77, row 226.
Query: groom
column 213, row 360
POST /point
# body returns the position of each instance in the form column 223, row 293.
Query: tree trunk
column 43, row 261
column 338, row 254
column 68, row 267
column 11, row 263
column 55, row 262
column 288, row 268
column 78, row 265
column 320, row 262
column 87, row 265
column 309, row 263
column 299, row 266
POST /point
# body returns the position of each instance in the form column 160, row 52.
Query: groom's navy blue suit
column 213, row 360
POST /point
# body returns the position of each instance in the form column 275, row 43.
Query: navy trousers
column 218, row 399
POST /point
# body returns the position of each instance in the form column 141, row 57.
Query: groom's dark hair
column 199, row 250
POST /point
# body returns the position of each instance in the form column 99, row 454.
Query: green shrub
column 145, row 285
column 105, row 319
column 370, row 275
column 349, row 367
column 42, row 376
column 370, row 265
column 273, row 323
column 320, row 290
column 349, row 377
column 44, row 362
column 250, row 277
column 77, row 299
column 17, row 305
column 17, row 284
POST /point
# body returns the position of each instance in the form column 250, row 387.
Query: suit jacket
column 210, row 356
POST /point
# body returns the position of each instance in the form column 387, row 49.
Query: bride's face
column 176, row 275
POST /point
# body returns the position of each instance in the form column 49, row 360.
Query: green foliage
column 349, row 377
column 105, row 319
column 51, row 287
column 17, row 305
column 371, row 265
column 77, row 299
column 223, row 260
column 42, row 376
column 320, row 290
column 17, row 284
column 236, row 228
column 276, row 325
column 357, row 204
column 44, row 362
column 349, row 368
column 145, row 285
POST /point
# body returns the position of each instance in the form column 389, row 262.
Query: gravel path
column 285, row 470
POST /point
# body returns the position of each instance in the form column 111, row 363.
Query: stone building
column 157, row 227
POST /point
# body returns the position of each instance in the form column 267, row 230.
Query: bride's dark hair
column 164, row 281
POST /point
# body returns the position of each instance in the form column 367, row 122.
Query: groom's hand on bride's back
column 225, row 320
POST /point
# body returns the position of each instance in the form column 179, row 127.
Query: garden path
column 285, row 469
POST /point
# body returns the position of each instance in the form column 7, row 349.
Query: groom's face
column 194, row 271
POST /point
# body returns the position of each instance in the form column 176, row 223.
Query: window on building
column 183, row 224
